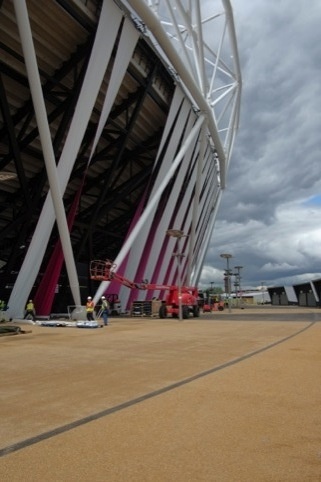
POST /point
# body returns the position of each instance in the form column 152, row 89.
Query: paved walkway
column 227, row 397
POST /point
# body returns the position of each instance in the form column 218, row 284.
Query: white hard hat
column 89, row 298
column 102, row 297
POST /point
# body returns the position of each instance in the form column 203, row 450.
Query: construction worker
column 2, row 310
column 90, row 309
column 30, row 310
column 104, row 310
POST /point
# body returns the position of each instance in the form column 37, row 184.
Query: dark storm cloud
column 265, row 219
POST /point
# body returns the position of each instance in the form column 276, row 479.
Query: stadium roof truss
column 118, row 120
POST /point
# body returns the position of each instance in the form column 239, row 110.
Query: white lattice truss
column 196, row 40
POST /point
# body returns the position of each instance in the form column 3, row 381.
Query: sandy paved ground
column 227, row 397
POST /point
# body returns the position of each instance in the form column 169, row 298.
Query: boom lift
column 105, row 271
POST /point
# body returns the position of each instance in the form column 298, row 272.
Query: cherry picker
column 105, row 271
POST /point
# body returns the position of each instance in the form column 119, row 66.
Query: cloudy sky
column 270, row 215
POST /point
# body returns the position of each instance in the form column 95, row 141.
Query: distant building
column 302, row 294
column 251, row 297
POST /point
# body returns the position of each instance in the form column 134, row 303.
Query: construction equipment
column 105, row 271
column 216, row 306
column 209, row 303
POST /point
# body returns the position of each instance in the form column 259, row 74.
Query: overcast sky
column 270, row 214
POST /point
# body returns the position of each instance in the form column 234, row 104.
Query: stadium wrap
column 118, row 124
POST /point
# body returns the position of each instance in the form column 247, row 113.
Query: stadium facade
column 118, row 120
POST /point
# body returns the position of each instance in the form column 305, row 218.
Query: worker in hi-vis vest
column 30, row 310
column 90, row 309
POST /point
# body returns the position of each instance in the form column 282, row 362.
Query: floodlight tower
column 238, row 268
column 228, row 256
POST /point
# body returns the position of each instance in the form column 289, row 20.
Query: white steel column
column 154, row 26
column 127, row 44
column 45, row 139
column 200, row 161
column 109, row 21
column 173, row 132
column 200, row 262
column 152, row 203
column 165, row 221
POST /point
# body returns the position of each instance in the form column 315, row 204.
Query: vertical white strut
column 196, row 202
column 45, row 139
column 153, row 202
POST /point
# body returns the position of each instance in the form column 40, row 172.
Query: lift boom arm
column 105, row 271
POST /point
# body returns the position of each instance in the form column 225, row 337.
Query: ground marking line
column 90, row 418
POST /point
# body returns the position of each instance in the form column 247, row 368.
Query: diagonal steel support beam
column 45, row 138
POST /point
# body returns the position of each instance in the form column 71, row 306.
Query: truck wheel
column 162, row 311
column 196, row 311
column 185, row 312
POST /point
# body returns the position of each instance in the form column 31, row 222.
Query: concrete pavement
column 226, row 397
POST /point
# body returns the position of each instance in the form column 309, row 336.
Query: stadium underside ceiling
column 108, row 96
column 115, row 179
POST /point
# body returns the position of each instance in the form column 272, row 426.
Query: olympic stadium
column 118, row 119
